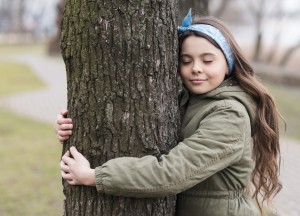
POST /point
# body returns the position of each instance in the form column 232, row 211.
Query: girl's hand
column 63, row 126
column 76, row 170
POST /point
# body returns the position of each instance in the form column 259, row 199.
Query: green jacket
column 209, row 169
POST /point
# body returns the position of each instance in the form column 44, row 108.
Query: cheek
column 217, row 74
column 181, row 71
column 183, row 75
column 220, row 70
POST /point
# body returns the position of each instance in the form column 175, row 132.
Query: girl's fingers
column 64, row 133
column 76, row 154
column 61, row 120
column 67, row 160
column 66, row 176
column 66, row 126
column 67, row 154
column 64, row 112
column 63, row 138
column 63, row 126
column 65, row 171
column 63, row 167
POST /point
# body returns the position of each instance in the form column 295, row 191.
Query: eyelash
column 187, row 62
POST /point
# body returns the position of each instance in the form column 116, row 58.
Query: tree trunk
column 54, row 43
column 121, row 61
column 220, row 9
column 258, row 13
column 288, row 54
column 18, row 17
column 199, row 7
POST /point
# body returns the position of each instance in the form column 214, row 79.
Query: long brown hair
column 266, row 149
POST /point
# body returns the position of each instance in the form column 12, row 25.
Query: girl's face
column 202, row 66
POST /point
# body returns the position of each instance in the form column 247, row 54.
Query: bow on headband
column 211, row 32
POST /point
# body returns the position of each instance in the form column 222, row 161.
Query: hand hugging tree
column 121, row 61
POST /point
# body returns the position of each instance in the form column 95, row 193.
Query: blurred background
column 33, row 91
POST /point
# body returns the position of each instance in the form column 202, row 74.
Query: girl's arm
column 216, row 144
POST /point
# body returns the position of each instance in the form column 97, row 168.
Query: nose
column 197, row 68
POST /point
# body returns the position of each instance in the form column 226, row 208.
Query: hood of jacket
column 228, row 90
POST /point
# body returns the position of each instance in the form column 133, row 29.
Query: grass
column 287, row 101
column 21, row 49
column 30, row 182
column 17, row 77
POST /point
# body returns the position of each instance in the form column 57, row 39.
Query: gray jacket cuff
column 99, row 179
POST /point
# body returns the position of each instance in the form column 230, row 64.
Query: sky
column 38, row 15
column 41, row 14
column 286, row 28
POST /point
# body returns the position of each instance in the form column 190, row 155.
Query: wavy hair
column 266, row 148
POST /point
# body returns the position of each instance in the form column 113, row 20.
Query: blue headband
column 211, row 32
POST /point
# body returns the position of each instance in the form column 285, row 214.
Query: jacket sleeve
column 216, row 144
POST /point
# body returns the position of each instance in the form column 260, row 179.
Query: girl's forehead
column 194, row 44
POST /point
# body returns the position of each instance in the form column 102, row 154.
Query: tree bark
column 121, row 62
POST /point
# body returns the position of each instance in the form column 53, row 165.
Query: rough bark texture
column 199, row 7
column 121, row 61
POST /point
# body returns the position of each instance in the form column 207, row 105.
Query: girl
column 230, row 131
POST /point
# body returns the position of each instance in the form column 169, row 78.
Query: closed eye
column 185, row 62
column 208, row 61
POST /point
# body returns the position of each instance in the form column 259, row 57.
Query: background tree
column 121, row 61
column 54, row 43
column 219, row 8
column 289, row 53
column 257, row 9
column 198, row 6
column 12, row 14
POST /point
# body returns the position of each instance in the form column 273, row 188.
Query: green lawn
column 20, row 49
column 30, row 182
column 287, row 100
column 15, row 77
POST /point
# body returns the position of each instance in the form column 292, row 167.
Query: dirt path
column 287, row 201
column 44, row 104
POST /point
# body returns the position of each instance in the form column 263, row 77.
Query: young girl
column 230, row 131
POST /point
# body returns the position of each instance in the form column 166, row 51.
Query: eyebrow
column 202, row 54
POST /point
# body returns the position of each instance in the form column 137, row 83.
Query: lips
column 198, row 80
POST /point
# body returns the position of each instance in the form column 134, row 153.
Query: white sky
column 41, row 14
